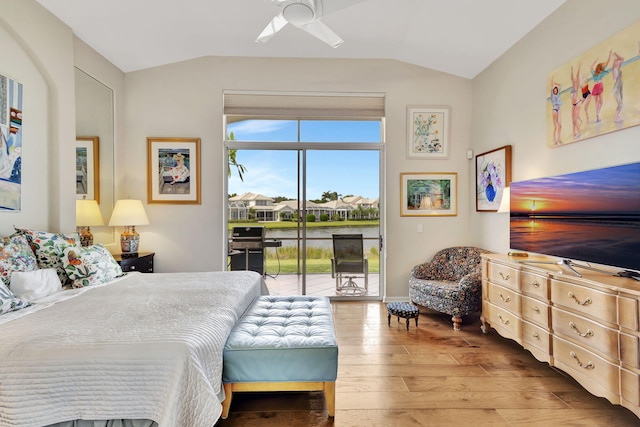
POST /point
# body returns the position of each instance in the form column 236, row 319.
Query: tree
column 328, row 196
column 232, row 161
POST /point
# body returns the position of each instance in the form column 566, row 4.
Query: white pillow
column 31, row 285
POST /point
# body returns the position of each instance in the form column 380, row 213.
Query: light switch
column 419, row 228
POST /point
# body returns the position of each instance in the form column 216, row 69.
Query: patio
column 317, row 284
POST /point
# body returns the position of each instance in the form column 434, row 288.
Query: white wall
column 509, row 104
column 504, row 105
column 38, row 53
column 185, row 99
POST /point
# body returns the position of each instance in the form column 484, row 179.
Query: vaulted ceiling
column 459, row 37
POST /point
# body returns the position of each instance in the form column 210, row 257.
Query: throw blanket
column 148, row 346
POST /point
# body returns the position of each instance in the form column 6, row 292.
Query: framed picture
column 88, row 168
column 493, row 175
column 428, row 132
column 11, row 143
column 428, row 194
column 173, row 170
column 593, row 93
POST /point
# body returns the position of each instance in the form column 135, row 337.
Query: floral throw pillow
column 48, row 248
column 15, row 255
column 9, row 302
column 90, row 265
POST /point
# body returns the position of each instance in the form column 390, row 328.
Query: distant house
column 256, row 206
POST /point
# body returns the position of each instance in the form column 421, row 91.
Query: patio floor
column 318, row 284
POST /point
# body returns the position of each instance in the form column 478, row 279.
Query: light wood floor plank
column 430, row 376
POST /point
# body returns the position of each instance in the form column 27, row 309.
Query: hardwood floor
column 430, row 376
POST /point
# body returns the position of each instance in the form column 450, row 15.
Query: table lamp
column 505, row 202
column 128, row 213
column 87, row 214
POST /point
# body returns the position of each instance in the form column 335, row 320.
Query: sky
column 614, row 189
column 274, row 172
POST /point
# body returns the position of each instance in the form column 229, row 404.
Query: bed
column 140, row 347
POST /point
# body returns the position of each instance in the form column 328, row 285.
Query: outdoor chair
column 349, row 263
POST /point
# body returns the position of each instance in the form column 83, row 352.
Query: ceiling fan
column 306, row 15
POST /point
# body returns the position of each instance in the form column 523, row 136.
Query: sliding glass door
column 305, row 181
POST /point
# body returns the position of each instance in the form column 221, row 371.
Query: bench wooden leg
column 226, row 404
column 330, row 397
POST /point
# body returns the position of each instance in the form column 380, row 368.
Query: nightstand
column 142, row 263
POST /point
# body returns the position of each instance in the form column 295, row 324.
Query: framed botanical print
column 493, row 175
column 173, row 170
column 428, row 194
column 428, row 132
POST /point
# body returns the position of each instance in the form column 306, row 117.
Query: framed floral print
column 493, row 175
column 428, row 194
column 428, row 132
column 173, row 170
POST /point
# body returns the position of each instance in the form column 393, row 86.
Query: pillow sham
column 90, row 265
column 9, row 302
column 48, row 248
column 15, row 255
column 31, row 285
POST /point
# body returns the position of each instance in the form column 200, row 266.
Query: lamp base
column 86, row 238
column 129, row 241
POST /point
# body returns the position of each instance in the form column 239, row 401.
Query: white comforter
column 148, row 346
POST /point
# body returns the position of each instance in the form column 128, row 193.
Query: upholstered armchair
column 450, row 283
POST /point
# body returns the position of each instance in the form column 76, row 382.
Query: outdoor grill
column 250, row 242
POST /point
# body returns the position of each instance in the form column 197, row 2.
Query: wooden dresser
column 587, row 326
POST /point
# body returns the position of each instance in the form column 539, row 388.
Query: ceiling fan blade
column 318, row 29
column 277, row 23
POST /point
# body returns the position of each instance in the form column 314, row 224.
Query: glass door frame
column 302, row 148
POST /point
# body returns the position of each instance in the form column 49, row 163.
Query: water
column 615, row 243
column 325, row 233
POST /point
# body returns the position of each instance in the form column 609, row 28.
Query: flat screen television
column 589, row 217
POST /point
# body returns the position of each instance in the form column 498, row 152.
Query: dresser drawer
column 535, row 311
column 585, row 331
column 628, row 316
column 596, row 304
column 505, row 323
column 630, row 350
column 505, row 298
column 593, row 372
column 503, row 275
column 630, row 386
column 534, row 285
column 533, row 335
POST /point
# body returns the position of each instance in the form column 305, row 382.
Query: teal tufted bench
column 282, row 343
column 404, row 310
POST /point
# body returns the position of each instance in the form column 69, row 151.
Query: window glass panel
column 257, row 130
column 340, row 131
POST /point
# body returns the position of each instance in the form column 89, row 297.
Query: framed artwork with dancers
column 596, row 92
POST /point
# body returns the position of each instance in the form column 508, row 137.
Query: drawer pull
column 504, row 322
column 536, row 335
column 504, row 276
column 536, row 284
column 589, row 365
column 536, row 309
column 507, row 299
column 587, row 334
column 586, row 302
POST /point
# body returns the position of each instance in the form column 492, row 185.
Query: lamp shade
column 88, row 213
column 128, row 212
column 505, row 202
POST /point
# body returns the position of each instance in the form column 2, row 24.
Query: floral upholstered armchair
column 450, row 283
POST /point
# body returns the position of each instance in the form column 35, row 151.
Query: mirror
column 94, row 119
